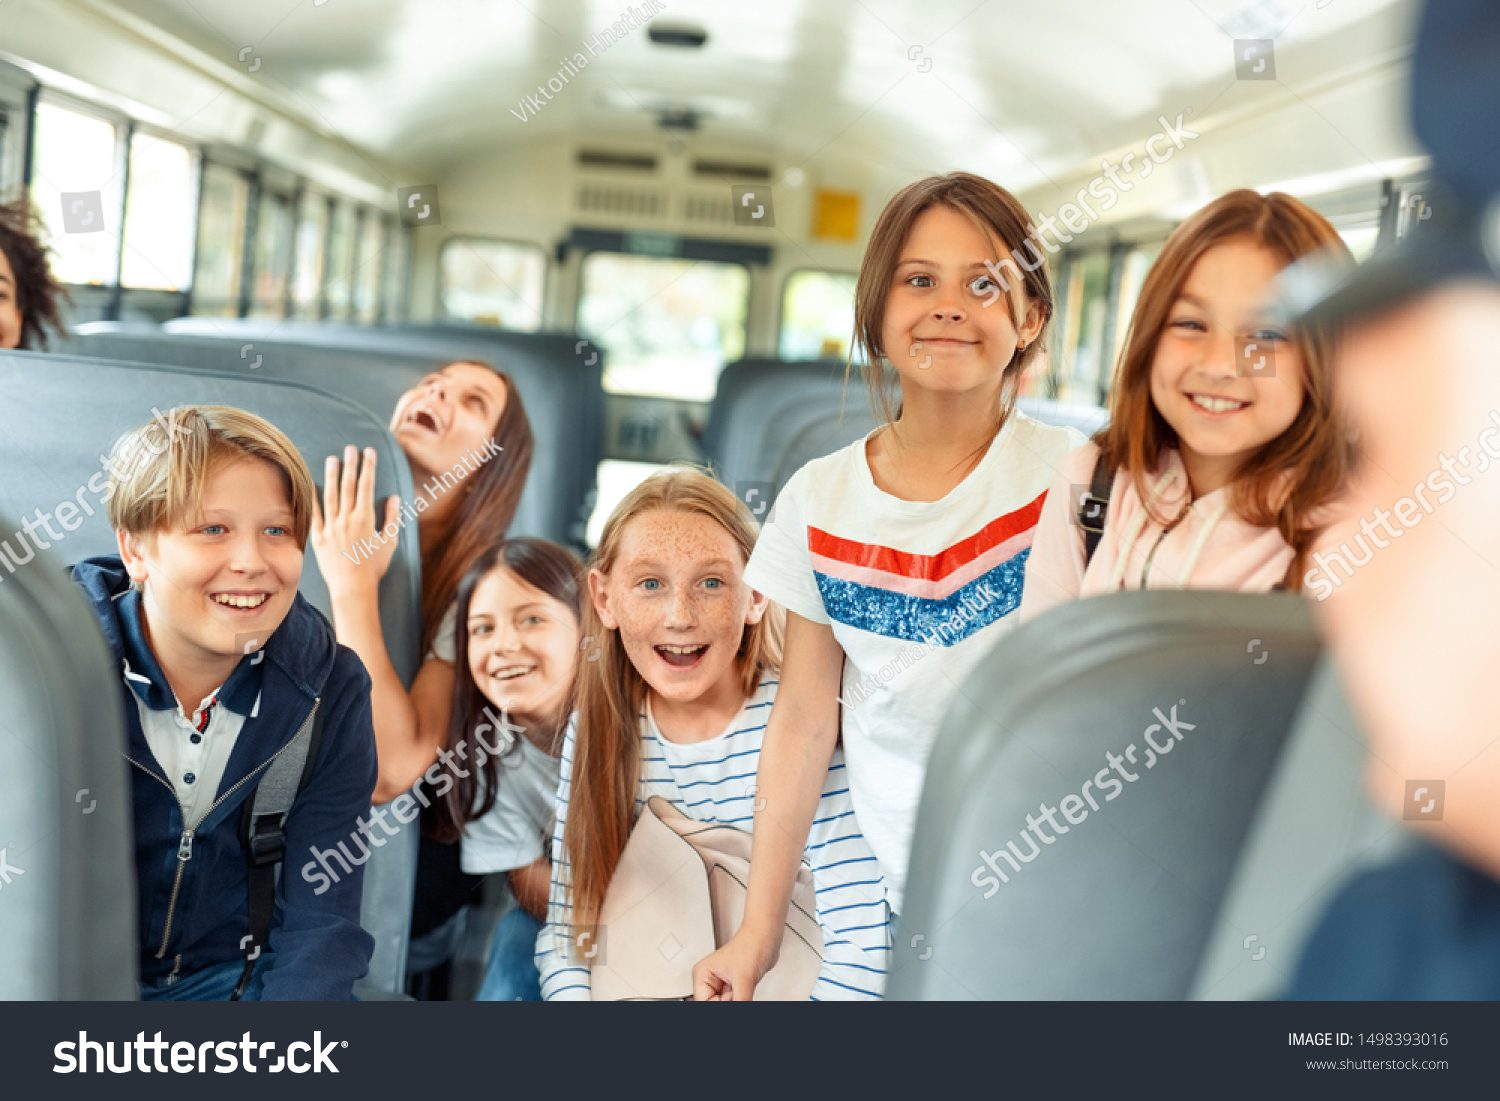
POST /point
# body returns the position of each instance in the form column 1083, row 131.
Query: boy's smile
column 228, row 576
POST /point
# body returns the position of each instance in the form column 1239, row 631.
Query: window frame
column 781, row 303
column 749, row 301
column 441, row 307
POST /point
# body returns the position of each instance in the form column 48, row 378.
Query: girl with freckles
column 677, row 677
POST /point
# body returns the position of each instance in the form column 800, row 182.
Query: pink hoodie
column 1211, row 548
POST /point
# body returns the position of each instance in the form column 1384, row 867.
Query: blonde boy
column 223, row 665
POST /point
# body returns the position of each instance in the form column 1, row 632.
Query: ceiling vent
column 635, row 202
column 731, row 170
column 708, row 208
column 616, row 161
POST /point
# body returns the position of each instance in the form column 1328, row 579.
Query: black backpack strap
column 1093, row 508
column 263, row 832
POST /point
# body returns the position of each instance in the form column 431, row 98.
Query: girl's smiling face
column 677, row 595
column 523, row 644
column 937, row 331
column 1222, row 416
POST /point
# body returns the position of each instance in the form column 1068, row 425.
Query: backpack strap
column 1093, row 508
column 263, row 831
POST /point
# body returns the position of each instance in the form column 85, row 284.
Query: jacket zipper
column 185, row 844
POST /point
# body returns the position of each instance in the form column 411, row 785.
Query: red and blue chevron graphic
column 940, row 599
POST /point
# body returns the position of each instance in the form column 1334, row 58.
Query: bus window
column 273, row 255
column 817, row 315
column 1078, row 362
column 1137, row 262
column 221, row 241
column 1360, row 239
column 76, row 153
column 394, row 278
column 492, row 282
column 367, row 261
column 340, row 262
column 312, row 232
column 668, row 326
column 158, row 233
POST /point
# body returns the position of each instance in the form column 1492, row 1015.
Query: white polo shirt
column 192, row 750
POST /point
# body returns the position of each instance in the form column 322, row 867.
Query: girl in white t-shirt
column 518, row 608
column 900, row 559
column 674, row 691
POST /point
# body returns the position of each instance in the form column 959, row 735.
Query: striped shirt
column 714, row 781
column 916, row 592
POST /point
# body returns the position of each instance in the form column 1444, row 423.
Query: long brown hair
column 611, row 693
column 1288, row 478
column 485, row 511
column 544, row 566
column 997, row 214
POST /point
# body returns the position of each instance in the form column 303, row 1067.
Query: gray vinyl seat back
column 64, row 412
column 1314, row 830
column 770, row 416
column 761, row 404
column 1146, row 726
column 560, row 377
column 818, row 436
column 67, row 879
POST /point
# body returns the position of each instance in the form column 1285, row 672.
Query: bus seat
column 1122, row 904
column 1314, row 830
column 560, row 376
column 71, row 410
column 767, row 411
column 819, row 436
column 67, row 879
column 753, row 397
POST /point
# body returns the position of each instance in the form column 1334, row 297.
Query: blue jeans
column 212, row 984
column 512, row 975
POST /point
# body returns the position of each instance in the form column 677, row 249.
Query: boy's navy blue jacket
column 320, row 948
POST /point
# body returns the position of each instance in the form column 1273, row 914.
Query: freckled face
column 678, row 597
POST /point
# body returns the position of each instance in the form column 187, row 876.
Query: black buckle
column 267, row 844
column 1083, row 512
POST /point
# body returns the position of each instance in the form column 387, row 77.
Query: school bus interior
column 261, row 174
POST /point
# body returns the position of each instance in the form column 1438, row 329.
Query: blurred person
column 29, row 295
column 1413, row 630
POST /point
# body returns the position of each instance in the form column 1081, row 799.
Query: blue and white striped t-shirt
column 714, row 781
